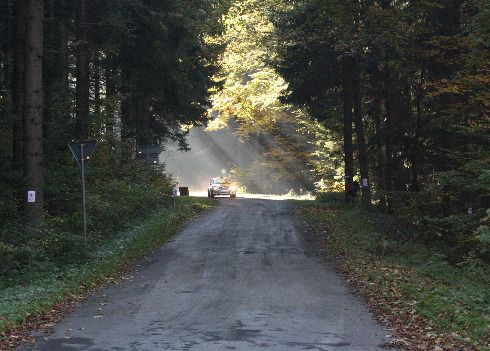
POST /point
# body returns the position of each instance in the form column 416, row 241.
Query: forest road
column 239, row 277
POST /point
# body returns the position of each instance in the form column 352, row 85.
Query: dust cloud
column 222, row 153
column 212, row 154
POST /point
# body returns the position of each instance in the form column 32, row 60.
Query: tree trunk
column 379, row 141
column 65, row 50
column 33, row 99
column 127, row 118
column 347, row 65
column 418, row 127
column 83, row 84
column 18, row 81
column 96, row 84
column 7, row 46
column 361, row 139
column 143, row 119
column 49, row 67
column 414, row 156
column 110, row 93
column 390, row 123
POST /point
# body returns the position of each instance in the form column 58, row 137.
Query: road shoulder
column 397, row 293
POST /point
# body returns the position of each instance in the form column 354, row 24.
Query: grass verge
column 429, row 303
column 36, row 292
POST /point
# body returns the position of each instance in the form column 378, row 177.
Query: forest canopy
column 380, row 109
column 385, row 96
column 123, row 72
column 388, row 97
column 126, row 73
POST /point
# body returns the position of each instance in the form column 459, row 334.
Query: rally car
column 221, row 186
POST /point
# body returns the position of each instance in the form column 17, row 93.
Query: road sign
column 149, row 153
column 82, row 149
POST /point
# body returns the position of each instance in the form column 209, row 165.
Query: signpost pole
column 83, row 197
column 82, row 150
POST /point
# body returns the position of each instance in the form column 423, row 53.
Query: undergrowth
column 40, row 286
column 410, row 276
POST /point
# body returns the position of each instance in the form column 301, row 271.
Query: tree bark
column 347, row 66
column 65, row 50
column 413, row 158
column 361, row 139
column 83, row 83
column 418, row 127
column 110, row 93
column 143, row 119
column 379, row 139
column 390, row 123
column 18, row 81
column 97, row 83
column 127, row 118
column 33, row 101
column 49, row 67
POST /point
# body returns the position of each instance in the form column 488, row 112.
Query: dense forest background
column 392, row 96
column 126, row 73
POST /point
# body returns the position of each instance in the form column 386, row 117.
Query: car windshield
column 221, row 181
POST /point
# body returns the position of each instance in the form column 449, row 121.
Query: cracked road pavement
column 239, row 277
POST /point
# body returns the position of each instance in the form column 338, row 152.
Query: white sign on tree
column 31, row 196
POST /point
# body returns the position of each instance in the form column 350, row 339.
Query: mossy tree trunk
column 18, row 81
column 347, row 66
column 33, row 114
column 83, row 83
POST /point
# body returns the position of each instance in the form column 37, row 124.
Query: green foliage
column 483, row 235
column 117, row 195
column 13, row 257
column 150, row 65
column 39, row 287
column 424, row 91
column 149, row 70
column 295, row 150
column 163, row 63
column 330, row 197
column 373, row 246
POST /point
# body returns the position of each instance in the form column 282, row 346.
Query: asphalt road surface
column 240, row 277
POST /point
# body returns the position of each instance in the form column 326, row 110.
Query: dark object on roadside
column 355, row 188
column 184, row 191
column 351, row 191
column 221, row 186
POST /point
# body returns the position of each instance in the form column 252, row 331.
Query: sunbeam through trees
column 381, row 106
